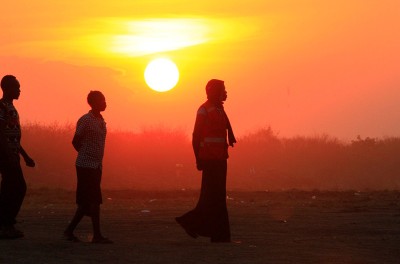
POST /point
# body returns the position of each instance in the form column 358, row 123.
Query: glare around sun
column 161, row 74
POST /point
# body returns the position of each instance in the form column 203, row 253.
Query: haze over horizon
column 302, row 67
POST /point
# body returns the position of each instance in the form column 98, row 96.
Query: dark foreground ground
column 267, row 227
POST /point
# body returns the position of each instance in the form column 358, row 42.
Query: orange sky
column 302, row 67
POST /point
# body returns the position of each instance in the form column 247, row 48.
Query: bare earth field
column 267, row 227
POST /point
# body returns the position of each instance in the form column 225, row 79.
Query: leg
column 75, row 220
column 82, row 208
column 19, row 190
column 97, row 236
column 12, row 194
column 95, row 215
column 95, row 201
column 69, row 232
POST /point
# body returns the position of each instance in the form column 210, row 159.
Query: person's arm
column 79, row 133
column 77, row 142
column 196, row 137
column 28, row 160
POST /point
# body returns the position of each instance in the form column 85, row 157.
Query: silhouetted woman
column 211, row 133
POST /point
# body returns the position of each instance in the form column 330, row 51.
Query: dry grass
column 160, row 159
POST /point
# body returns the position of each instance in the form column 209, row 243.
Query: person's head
column 10, row 86
column 215, row 90
column 97, row 101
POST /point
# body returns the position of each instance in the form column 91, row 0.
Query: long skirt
column 210, row 217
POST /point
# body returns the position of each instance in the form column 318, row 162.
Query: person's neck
column 8, row 99
column 96, row 113
column 216, row 102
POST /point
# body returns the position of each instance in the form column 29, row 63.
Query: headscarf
column 214, row 88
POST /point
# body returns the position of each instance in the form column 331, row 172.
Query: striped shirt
column 12, row 128
column 91, row 135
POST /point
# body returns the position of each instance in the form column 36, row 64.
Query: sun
column 161, row 74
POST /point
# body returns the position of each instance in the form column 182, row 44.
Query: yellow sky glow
column 117, row 37
column 302, row 67
column 158, row 35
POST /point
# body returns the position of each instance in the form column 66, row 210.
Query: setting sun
column 161, row 75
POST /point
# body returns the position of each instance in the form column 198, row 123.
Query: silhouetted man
column 210, row 145
column 89, row 141
column 13, row 186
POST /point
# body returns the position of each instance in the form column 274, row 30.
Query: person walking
column 13, row 186
column 211, row 136
column 89, row 141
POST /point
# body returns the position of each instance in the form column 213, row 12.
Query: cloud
column 116, row 37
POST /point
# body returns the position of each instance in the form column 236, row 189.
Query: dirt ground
column 267, row 227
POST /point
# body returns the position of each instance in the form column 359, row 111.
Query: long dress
column 210, row 216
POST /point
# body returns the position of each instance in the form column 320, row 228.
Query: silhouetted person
column 89, row 141
column 211, row 131
column 13, row 186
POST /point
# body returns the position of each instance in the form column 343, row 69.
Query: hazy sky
column 301, row 67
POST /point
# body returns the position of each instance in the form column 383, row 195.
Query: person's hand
column 199, row 164
column 29, row 162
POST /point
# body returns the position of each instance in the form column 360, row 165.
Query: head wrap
column 214, row 88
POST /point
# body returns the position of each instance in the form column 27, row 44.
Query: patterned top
column 12, row 129
column 90, row 134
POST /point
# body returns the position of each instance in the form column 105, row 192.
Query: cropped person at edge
column 13, row 186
